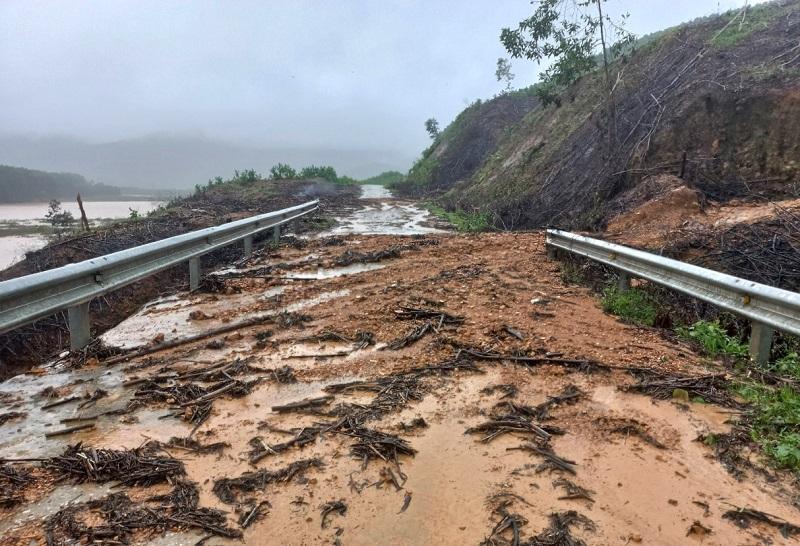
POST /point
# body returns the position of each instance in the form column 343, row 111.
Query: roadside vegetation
column 463, row 221
column 771, row 392
column 633, row 305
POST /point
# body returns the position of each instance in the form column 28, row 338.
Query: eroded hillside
column 716, row 102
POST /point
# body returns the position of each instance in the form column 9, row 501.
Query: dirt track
column 651, row 482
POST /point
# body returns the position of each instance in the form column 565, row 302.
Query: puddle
column 57, row 499
column 26, row 438
column 174, row 323
column 333, row 272
column 386, row 218
column 375, row 191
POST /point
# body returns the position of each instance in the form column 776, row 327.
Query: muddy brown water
column 642, row 494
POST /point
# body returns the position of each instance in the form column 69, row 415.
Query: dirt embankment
column 757, row 239
column 32, row 344
column 450, row 389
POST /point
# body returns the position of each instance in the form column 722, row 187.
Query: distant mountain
column 18, row 185
column 167, row 162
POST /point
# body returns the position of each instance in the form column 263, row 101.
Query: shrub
column 776, row 422
column 282, row 171
column 464, row 221
column 326, row 172
column 57, row 217
column 713, row 339
column 633, row 305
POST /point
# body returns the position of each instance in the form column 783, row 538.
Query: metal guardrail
column 72, row 287
column 768, row 308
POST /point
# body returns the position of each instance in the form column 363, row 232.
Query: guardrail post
column 194, row 273
column 78, row 318
column 552, row 252
column 248, row 246
column 623, row 282
column 276, row 235
column 760, row 342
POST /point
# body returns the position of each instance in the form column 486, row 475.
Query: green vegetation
column 58, row 218
column 386, row 178
column 633, row 305
column 743, row 24
column 787, row 365
column 571, row 273
column 326, row 172
column 432, row 127
column 246, row 177
column 282, row 171
column 467, row 222
column 568, row 34
column 714, row 340
column 776, row 422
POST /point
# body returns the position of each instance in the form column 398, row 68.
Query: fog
column 170, row 93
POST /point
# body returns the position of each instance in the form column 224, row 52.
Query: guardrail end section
column 79, row 326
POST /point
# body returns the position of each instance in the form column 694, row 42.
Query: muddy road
column 370, row 387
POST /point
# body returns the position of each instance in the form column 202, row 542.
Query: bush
column 776, row 422
column 713, row 339
column 633, row 305
column 282, row 171
column 58, row 218
column 247, row 176
column 467, row 222
column 326, row 172
column 788, row 364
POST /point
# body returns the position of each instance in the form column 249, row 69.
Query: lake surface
column 34, row 212
column 13, row 247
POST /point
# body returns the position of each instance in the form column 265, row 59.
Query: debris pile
column 141, row 466
column 228, row 489
column 119, row 518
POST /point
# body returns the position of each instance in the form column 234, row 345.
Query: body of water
column 95, row 210
column 14, row 217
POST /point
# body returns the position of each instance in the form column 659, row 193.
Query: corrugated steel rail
column 72, row 287
column 768, row 308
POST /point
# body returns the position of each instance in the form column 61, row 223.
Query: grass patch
column 776, row 422
column 572, row 273
column 714, row 340
column 466, row 222
column 755, row 18
column 633, row 305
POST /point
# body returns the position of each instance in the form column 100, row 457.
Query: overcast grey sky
column 352, row 74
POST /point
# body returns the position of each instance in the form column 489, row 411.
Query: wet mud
column 324, row 373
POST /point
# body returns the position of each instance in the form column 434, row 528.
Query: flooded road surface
column 365, row 388
column 14, row 247
column 382, row 214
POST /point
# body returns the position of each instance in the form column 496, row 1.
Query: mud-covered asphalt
column 644, row 477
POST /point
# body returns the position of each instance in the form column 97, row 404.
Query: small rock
column 681, row 395
column 197, row 314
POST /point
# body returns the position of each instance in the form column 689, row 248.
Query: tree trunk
column 610, row 106
column 84, row 220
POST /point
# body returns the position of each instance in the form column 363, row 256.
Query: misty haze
column 399, row 272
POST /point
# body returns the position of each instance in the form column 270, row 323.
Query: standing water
column 18, row 222
column 384, row 214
